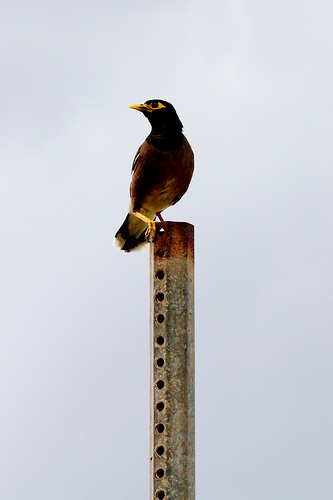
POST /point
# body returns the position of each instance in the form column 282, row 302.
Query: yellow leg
column 151, row 229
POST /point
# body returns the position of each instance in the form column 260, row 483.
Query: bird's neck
column 165, row 138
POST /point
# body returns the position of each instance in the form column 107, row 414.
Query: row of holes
column 159, row 473
column 159, row 362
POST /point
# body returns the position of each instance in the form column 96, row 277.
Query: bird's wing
column 135, row 161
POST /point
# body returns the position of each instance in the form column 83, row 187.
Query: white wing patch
column 135, row 163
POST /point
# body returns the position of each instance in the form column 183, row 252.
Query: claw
column 151, row 229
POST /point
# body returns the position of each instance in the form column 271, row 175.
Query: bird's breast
column 161, row 177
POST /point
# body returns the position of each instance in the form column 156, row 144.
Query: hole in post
column 160, row 406
column 160, row 274
column 159, row 473
column 160, row 340
column 159, row 297
column 160, row 253
column 159, row 428
column 160, row 450
column 160, row 495
column 160, row 384
column 159, row 362
column 160, row 318
column 161, row 231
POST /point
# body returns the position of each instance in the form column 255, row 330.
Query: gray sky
column 252, row 83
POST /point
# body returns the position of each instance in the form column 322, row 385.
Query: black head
column 161, row 115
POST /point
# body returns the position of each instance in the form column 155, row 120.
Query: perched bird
column 161, row 173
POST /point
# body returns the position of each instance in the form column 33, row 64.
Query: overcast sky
column 252, row 83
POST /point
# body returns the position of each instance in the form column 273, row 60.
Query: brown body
column 160, row 177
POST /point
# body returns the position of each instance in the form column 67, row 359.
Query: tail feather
column 131, row 234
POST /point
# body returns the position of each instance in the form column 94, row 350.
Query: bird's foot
column 151, row 229
column 150, row 232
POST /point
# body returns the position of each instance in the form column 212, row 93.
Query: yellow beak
column 140, row 107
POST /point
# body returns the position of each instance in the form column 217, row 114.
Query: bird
column 161, row 173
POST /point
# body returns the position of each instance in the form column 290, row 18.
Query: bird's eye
column 155, row 105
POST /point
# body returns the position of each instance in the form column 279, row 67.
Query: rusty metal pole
column 172, row 471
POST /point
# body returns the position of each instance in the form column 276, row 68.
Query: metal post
column 172, row 472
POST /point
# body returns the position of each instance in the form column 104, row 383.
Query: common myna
column 161, row 173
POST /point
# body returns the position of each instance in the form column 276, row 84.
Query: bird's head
column 161, row 114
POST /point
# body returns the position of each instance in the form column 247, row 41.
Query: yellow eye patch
column 153, row 105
